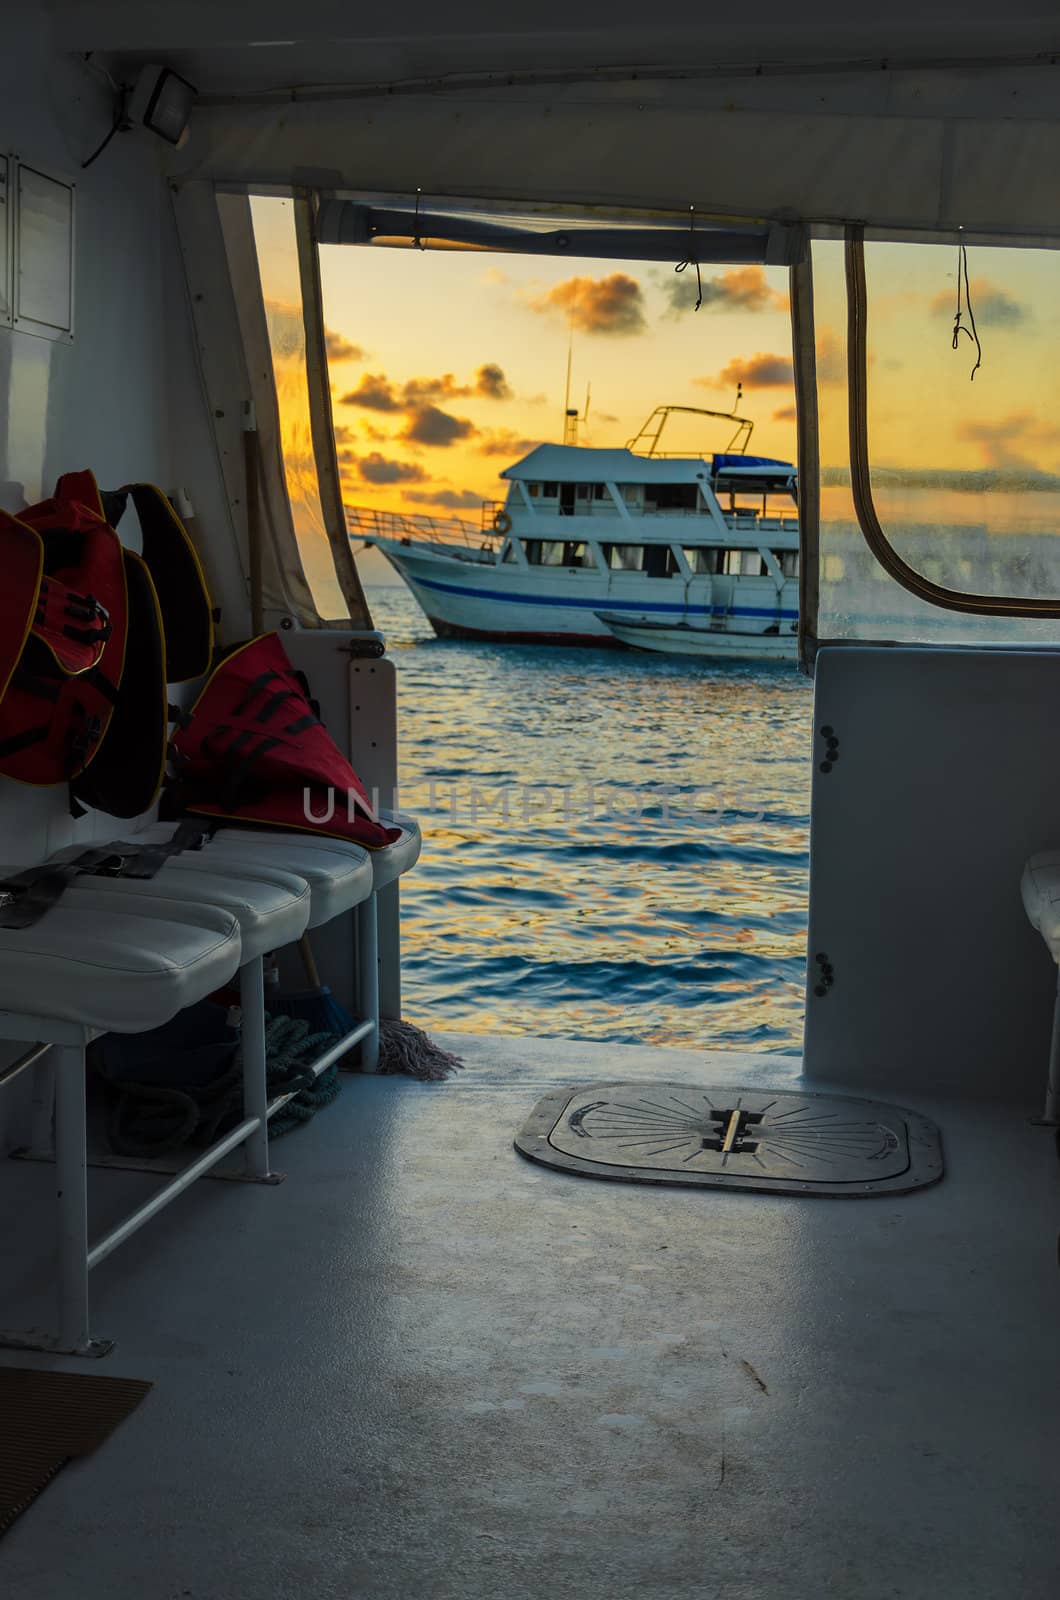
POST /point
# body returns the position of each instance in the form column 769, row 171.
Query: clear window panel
column 277, row 249
column 965, row 471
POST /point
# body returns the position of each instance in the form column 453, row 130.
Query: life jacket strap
column 26, row 896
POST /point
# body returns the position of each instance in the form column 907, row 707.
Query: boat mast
column 570, row 417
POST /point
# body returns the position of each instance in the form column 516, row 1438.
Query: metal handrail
column 369, row 522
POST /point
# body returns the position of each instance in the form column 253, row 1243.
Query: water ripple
column 615, row 845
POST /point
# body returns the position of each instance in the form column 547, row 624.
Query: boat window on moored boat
column 671, row 497
column 557, row 553
column 788, row 562
column 654, row 560
column 744, row 564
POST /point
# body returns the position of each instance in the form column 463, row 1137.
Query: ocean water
column 615, row 843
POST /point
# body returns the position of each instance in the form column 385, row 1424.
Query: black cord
column 103, row 143
column 691, row 261
column 969, row 333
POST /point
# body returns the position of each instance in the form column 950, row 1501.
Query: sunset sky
column 447, row 366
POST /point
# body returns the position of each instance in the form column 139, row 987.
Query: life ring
column 502, row 522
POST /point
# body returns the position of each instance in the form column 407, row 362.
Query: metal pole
column 71, row 1168
column 1052, row 1092
column 159, row 1201
column 255, row 1083
column 29, row 1058
column 40, row 1137
column 368, row 980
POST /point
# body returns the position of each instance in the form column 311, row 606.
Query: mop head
column 405, row 1048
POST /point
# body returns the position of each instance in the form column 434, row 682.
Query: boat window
column 660, row 561
column 744, row 564
column 671, row 497
column 963, row 477
column 703, row 561
column 533, row 490
column 558, row 553
column 624, row 557
column 550, row 491
column 600, row 491
column 788, row 562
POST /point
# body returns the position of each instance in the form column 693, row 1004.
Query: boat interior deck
column 423, row 1366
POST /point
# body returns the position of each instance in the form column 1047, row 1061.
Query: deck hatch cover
column 737, row 1138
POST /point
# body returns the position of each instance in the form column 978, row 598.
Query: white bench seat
column 338, row 873
column 271, row 905
column 393, row 859
column 109, row 966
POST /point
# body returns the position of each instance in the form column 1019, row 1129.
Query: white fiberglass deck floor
column 424, row 1369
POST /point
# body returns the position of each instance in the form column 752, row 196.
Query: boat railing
column 369, row 522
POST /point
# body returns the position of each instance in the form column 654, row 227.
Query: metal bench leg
column 71, row 1170
column 41, row 1144
column 368, row 980
column 1052, row 1092
column 255, row 1082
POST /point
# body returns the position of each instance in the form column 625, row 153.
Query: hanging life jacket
column 90, row 631
column 255, row 750
column 63, row 624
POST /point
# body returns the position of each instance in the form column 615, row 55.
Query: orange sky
column 447, row 366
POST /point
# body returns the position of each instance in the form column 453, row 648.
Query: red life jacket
column 86, row 627
column 254, row 750
column 62, row 671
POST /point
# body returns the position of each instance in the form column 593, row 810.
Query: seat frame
column 57, row 1055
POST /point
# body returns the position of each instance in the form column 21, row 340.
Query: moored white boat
column 700, row 639
column 584, row 533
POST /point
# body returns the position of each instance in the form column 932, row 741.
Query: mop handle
column 305, row 950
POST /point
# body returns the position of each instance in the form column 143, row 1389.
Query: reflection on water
column 615, row 844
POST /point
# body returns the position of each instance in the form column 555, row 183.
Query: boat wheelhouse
column 710, row 542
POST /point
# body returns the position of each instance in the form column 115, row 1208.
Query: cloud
column 785, row 414
column 491, row 383
column 418, row 391
column 342, row 433
column 375, row 468
column 339, row 348
column 375, row 392
column 992, row 307
column 452, row 499
column 1005, row 442
column 740, row 289
column 759, row 371
column 612, row 305
column 493, row 276
column 502, row 442
column 427, row 425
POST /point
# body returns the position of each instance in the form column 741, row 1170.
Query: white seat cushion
column 89, row 962
column 394, row 859
column 1041, row 897
column 271, row 906
column 339, row 874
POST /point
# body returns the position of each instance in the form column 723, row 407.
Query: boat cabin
column 486, row 1338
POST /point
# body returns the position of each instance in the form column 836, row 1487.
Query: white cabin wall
column 124, row 398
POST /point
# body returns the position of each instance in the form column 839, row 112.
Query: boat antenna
column 739, row 397
column 566, row 392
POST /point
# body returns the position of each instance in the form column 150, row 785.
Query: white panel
column 5, row 242
column 44, row 254
column 945, row 779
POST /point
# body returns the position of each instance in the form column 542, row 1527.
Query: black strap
column 22, row 741
column 26, row 896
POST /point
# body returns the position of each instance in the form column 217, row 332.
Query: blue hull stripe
column 596, row 605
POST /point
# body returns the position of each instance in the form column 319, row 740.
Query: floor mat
column 48, row 1419
column 771, row 1140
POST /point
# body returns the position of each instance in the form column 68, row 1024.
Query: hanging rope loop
column 690, row 260
column 969, row 332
